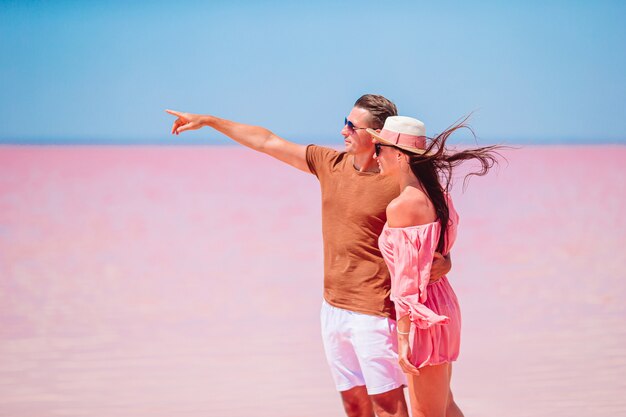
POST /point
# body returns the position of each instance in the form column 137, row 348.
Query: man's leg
column 357, row 403
column 390, row 404
column 362, row 350
column 343, row 362
column 375, row 342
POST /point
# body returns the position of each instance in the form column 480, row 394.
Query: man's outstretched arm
column 254, row 137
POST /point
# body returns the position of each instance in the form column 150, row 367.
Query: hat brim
column 411, row 149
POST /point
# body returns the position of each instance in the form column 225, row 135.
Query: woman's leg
column 429, row 391
column 453, row 409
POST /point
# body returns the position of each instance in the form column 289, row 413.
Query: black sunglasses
column 378, row 146
column 351, row 125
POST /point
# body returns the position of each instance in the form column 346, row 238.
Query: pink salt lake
column 164, row 281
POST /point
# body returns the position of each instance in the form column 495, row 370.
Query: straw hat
column 402, row 132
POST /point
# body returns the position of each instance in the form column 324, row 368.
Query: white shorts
column 361, row 349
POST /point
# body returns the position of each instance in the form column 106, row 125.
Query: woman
column 420, row 222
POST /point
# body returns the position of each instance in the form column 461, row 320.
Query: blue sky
column 94, row 72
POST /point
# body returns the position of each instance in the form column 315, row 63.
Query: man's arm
column 441, row 266
column 254, row 137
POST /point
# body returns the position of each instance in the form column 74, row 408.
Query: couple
column 384, row 191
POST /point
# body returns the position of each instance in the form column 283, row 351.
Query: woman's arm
column 404, row 212
column 404, row 347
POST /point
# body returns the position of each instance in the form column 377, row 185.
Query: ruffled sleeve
column 413, row 252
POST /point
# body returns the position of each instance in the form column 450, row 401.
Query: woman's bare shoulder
column 411, row 208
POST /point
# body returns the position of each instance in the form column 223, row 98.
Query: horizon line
column 228, row 142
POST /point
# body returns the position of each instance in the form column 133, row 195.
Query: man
column 358, row 320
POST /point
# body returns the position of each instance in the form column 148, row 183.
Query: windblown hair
column 379, row 107
column 434, row 169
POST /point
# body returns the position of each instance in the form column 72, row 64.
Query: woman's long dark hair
column 434, row 170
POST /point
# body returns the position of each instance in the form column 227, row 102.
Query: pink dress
column 433, row 308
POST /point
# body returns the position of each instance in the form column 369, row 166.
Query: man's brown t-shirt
column 353, row 215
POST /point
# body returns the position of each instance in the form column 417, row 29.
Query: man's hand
column 441, row 266
column 185, row 121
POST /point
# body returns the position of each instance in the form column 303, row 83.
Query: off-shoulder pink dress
column 433, row 308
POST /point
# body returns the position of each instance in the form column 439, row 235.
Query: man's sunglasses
column 351, row 125
column 378, row 146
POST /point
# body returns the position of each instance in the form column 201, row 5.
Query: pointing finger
column 174, row 113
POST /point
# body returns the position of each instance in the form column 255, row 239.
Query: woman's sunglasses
column 378, row 146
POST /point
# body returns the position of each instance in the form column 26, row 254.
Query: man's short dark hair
column 379, row 107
